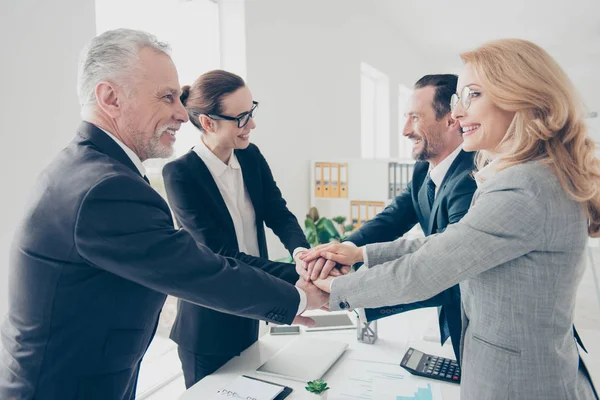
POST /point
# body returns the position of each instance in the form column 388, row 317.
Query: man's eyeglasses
column 242, row 120
column 465, row 98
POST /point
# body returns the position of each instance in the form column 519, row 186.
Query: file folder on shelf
column 335, row 180
column 343, row 180
column 355, row 213
column 318, row 179
column 391, row 180
column 398, row 180
column 326, row 180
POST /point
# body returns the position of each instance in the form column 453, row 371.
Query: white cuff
column 365, row 258
column 298, row 250
column 349, row 244
column 303, row 302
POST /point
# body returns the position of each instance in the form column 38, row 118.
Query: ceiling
column 568, row 30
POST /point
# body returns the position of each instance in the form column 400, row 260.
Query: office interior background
column 331, row 76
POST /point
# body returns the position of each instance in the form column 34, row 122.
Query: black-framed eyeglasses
column 242, row 120
column 465, row 99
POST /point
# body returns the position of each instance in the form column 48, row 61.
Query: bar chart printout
column 411, row 388
column 422, row 394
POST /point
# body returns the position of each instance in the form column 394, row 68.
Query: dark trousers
column 197, row 366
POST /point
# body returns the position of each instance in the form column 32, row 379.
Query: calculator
column 429, row 366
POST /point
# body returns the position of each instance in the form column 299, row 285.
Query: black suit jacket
column 200, row 209
column 92, row 260
column 451, row 203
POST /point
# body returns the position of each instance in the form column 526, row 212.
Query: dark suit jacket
column 200, row 209
column 92, row 260
column 411, row 207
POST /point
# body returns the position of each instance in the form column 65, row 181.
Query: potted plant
column 318, row 387
column 321, row 230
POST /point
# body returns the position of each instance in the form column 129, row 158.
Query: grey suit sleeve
column 124, row 227
column 379, row 253
column 505, row 222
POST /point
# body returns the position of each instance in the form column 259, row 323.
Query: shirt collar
column 487, row 172
column 130, row 153
column 214, row 163
column 438, row 172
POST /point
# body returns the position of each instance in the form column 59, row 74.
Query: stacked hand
column 318, row 267
column 323, row 263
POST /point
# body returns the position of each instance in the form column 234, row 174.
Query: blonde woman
column 518, row 254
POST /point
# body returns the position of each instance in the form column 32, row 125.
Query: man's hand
column 306, row 321
column 324, row 283
column 315, row 297
column 333, row 252
column 310, row 270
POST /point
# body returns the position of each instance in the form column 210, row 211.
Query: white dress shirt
column 438, row 173
column 230, row 182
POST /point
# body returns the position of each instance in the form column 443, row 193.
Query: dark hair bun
column 185, row 93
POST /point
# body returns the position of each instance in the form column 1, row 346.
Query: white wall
column 39, row 107
column 303, row 66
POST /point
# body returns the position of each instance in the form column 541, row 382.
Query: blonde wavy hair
column 548, row 125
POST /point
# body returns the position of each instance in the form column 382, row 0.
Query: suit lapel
column 206, row 180
column 105, row 144
column 460, row 158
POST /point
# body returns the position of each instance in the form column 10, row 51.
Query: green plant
column 321, row 230
column 317, row 386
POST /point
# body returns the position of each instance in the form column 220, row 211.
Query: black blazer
column 200, row 209
column 92, row 260
column 451, row 203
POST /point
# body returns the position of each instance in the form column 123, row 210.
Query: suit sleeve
column 193, row 215
column 394, row 221
column 124, row 227
column 504, row 223
column 276, row 214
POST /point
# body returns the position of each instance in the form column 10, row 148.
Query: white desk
column 396, row 334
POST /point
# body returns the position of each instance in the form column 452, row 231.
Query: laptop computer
column 304, row 359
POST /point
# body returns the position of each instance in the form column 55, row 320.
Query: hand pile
column 318, row 267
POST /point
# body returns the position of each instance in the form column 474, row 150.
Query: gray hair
column 111, row 56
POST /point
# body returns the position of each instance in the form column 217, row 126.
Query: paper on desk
column 368, row 380
column 359, row 376
column 248, row 388
column 406, row 389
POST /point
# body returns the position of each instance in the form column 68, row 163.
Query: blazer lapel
column 206, row 180
column 250, row 177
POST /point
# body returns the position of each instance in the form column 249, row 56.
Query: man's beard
column 152, row 147
column 155, row 149
column 430, row 148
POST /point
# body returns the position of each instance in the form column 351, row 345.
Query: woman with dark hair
column 223, row 192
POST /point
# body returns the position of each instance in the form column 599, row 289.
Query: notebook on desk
column 304, row 359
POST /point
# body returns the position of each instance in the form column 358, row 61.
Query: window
column 192, row 30
column 404, row 144
column 375, row 113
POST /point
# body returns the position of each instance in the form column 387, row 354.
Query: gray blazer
column 518, row 256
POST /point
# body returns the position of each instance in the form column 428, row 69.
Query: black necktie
column 146, row 179
column 430, row 191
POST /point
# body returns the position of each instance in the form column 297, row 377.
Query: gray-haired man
column 96, row 251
